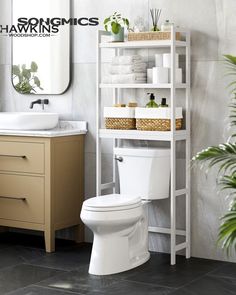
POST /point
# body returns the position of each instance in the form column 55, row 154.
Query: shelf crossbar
column 141, row 44
column 142, row 86
column 163, row 230
column 106, row 186
column 181, row 192
column 180, row 247
column 142, row 135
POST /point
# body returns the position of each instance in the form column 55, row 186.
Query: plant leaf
column 107, row 20
column 16, row 70
column 26, row 74
column 227, row 231
column 115, row 27
column 34, row 67
column 37, row 81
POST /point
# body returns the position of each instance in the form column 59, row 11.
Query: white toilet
column 119, row 221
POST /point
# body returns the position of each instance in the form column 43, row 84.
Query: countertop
column 64, row 128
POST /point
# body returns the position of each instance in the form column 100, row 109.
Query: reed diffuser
column 155, row 14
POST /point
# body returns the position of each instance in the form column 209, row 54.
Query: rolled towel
column 126, row 59
column 126, row 79
column 128, row 69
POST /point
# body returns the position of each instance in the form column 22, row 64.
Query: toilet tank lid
column 142, row 152
column 113, row 200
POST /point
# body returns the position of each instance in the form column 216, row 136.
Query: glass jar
column 166, row 26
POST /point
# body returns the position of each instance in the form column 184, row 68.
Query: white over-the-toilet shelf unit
column 172, row 136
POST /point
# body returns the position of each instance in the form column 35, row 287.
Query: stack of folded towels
column 128, row 69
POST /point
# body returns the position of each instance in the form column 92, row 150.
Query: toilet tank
column 144, row 172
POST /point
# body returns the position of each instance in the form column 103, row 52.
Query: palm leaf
column 227, row 231
column 228, row 182
column 230, row 59
column 224, row 155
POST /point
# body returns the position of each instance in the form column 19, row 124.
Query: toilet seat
column 113, row 202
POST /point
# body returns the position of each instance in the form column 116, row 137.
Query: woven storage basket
column 148, row 36
column 157, row 124
column 120, row 123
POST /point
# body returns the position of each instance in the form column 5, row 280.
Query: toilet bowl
column 119, row 221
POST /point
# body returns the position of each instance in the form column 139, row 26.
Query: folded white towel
column 128, row 69
column 126, row 79
column 126, row 59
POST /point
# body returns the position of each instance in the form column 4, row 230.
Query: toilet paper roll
column 167, row 60
column 178, row 76
column 160, row 75
column 150, row 76
column 158, row 60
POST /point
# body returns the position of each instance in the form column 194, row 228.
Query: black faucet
column 39, row 101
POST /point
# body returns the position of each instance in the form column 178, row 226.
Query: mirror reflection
column 40, row 47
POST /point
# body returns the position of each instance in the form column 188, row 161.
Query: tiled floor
column 25, row 269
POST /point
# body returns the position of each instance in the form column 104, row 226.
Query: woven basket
column 120, row 123
column 157, row 124
column 148, row 36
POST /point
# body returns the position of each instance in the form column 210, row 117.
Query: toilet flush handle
column 119, row 159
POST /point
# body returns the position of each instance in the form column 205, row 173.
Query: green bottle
column 152, row 103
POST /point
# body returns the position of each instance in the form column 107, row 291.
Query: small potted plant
column 116, row 25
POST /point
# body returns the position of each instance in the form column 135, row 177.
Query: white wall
column 213, row 27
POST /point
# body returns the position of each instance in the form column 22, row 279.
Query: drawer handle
column 13, row 198
column 13, row 156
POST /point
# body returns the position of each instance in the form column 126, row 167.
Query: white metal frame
column 173, row 136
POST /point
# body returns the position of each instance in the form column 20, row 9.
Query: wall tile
column 85, row 37
column 200, row 18
column 5, row 42
column 225, row 12
column 209, row 103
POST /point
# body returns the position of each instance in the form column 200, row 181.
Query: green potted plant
column 224, row 158
column 116, row 25
column 25, row 80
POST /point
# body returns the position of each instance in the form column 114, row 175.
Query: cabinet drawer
column 23, row 157
column 22, row 198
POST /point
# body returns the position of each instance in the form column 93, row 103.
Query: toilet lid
column 112, row 202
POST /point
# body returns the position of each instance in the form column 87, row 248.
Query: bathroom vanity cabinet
column 42, row 184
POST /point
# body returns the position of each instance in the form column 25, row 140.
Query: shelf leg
column 173, row 203
column 98, row 120
column 188, row 149
column 173, row 147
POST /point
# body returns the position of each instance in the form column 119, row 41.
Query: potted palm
column 224, row 158
column 116, row 25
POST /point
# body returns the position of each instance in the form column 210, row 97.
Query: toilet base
column 111, row 255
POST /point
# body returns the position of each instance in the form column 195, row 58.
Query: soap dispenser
column 163, row 103
column 152, row 103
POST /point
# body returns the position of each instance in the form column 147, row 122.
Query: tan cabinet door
column 22, row 198
column 23, row 157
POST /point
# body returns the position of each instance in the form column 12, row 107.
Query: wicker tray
column 157, row 124
column 120, row 123
column 148, row 36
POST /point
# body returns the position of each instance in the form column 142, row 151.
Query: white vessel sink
column 28, row 121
